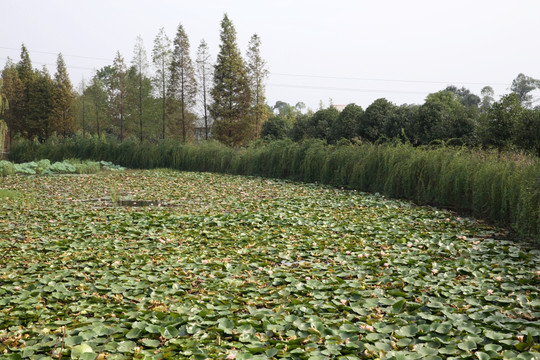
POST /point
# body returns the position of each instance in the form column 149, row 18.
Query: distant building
column 339, row 107
column 200, row 130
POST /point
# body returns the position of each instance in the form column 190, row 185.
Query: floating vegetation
column 248, row 268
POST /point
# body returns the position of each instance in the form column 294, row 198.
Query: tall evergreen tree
column 182, row 86
column 161, row 57
column 98, row 96
column 118, row 93
column 40, row 106
column 140, row 64
column 257, row 73
column 231, row 98
column 63, row 100
column 24, row 67
column 27, row 76
column 204, row 74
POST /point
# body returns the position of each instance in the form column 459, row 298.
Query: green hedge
column 502, row 188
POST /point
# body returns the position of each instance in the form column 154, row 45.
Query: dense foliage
column 501, row 187
column 451, row 116
column 246, row 268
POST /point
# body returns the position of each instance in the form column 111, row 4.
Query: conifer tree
column 257, row 73
column 118, row 92
column 63, row 100
column 204, row 74
column 24, row 67
column 230, row 94
column 161, row 57
column 40, row 106
column 182, row 87
column 98, row 96
column 27, row 76
column 140, row 64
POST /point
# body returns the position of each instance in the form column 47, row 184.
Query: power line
column 387, row 80
column 348, row 89
column 49, row 64
column 293, row 75
column 64, row 55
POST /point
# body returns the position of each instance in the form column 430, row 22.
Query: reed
column 502, row 188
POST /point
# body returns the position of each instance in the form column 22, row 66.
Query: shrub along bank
column 502, row 188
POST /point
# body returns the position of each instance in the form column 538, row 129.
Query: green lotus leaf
column 154, row 329
column 226, row 325
column 449, row 350
column 407, row 331
column 493, row 335
column 78, row 350
column 397, row 307
column 467, row 345
column 134, row 333
column 73, row 340
column 126, row 346
column 527, row 356
column 151, row 343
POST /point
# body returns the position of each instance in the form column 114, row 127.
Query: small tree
column 372, row 122
column 527, row 130
column 321, row 122
column 346, row 124
column 501, row 122
column 275, row 128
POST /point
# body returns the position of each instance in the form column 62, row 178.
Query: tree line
column 454, row 116
column 226, row 98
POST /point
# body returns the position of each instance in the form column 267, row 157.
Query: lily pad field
column 161, row 264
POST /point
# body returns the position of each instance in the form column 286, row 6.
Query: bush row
column 502, row 188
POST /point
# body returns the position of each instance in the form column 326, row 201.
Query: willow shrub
column 503, row 188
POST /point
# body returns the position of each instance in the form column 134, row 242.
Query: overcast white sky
column 344, row 50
